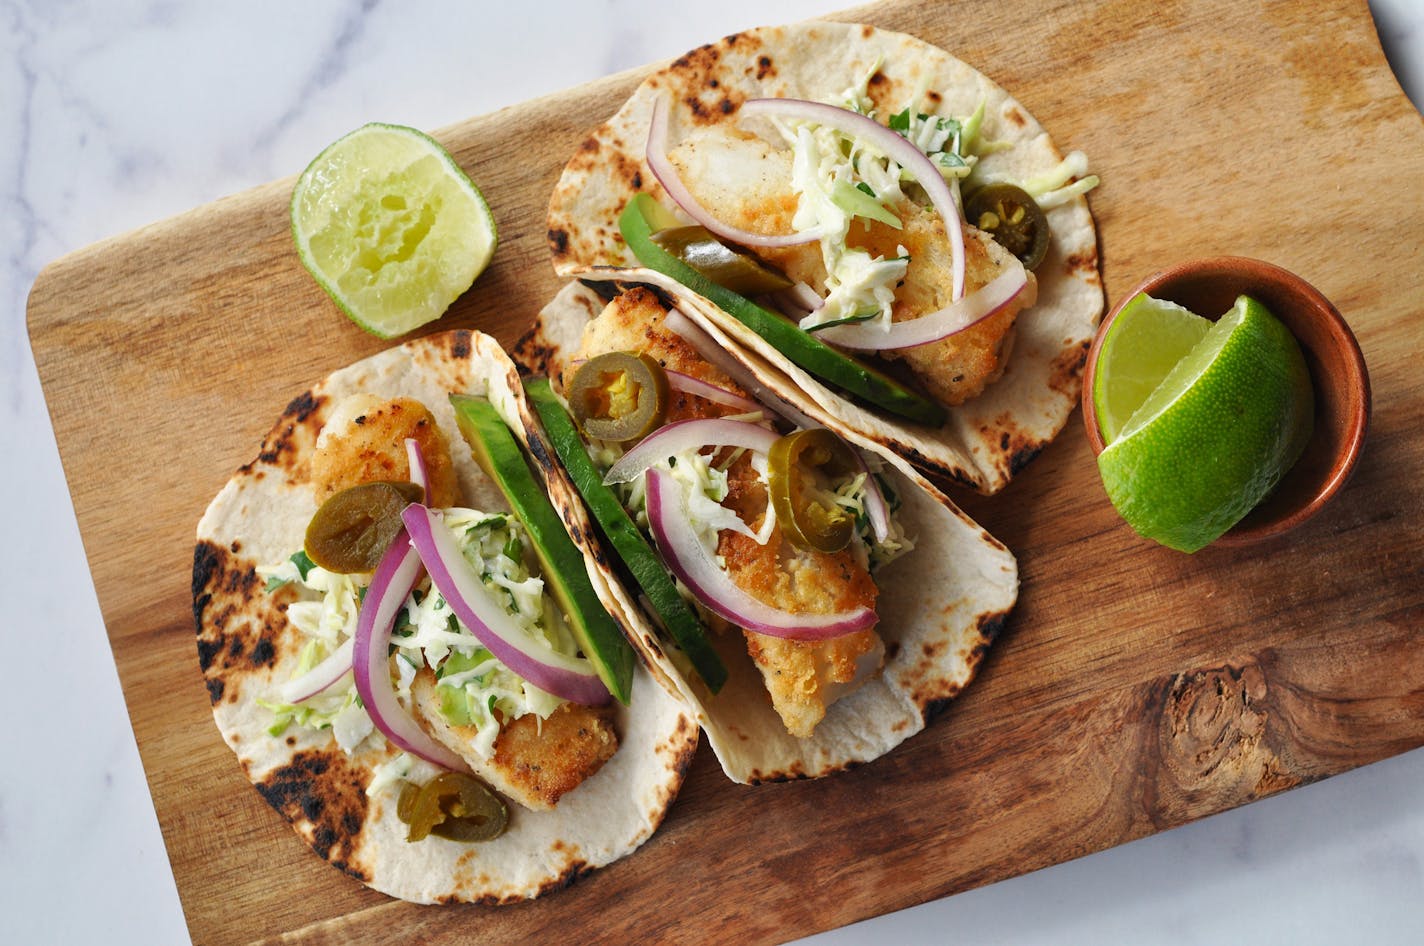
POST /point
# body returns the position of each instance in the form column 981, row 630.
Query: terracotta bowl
column 1209, row 287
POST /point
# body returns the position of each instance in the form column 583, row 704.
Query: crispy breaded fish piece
column 953, row 369
column 961, row 366
column 364, row 440
column 803, row 678
column 535, row 763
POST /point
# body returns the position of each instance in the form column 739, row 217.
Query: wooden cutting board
column 1133, row 689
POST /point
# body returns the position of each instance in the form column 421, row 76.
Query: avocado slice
column 562, row 564
column 648, row 571
column 851, row 375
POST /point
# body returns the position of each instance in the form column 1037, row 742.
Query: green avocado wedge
column 565, row 575
column 648, row 571
column 849, row 374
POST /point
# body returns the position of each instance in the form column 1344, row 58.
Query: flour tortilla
column 940, row 607
column 986, row 440
column 247, row 650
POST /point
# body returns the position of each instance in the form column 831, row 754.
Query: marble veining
column 330, row 67
column 113, row 115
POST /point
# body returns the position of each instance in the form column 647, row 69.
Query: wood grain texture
column 1133, row 689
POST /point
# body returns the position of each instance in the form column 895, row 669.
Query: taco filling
column 531, row 745
column 766, row 543
column 405, row 650
column 840, row 598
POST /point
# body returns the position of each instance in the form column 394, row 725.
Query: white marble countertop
column 113, row 115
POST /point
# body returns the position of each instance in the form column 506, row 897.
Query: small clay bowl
column 1209, row 287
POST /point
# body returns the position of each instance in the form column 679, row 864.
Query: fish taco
column 405, row 650
column 884, row 227
column 815, row 602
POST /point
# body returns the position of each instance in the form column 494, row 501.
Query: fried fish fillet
column 802, row 678
column 633, row 321
column 535, row 762
column 960, row 366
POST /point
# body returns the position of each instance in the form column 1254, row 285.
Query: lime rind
column 1216, row 436
column 1147, row 337
column 391, row 227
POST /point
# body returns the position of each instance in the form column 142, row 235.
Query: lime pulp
column 1147, row 337
column 391, row 227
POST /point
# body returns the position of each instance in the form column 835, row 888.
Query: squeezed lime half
column 1216, row 435
column 391, row 227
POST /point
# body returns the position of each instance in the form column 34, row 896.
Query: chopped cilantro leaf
column 304, row 564
column 489, row 522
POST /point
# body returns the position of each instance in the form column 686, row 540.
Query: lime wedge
column 1216, row 435
column 1145, row 340
column 391, row 228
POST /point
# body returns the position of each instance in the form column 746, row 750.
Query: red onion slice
column 392, row 583
column 805, row 297
column 877, row 510
column 710, row 392
column 786, row 305
column 666, row 173
column 419, row 472
column 323, row 676
column 689, row 331
column 892, row 145
column 684, row 435
column 796, row 302
column 931, row 327
column 572, row 678
column 694, row 565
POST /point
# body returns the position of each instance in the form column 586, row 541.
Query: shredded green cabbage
column 475, row 689
column 1056, row 186
column 828, row 177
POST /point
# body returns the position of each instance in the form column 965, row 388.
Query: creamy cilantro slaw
column 474, row 689
column 838, row 178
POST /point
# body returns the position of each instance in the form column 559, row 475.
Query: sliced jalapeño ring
column 455, row 806
column 729, row 268
column 353, row 528
column 619, row 396
column 1013, row 218
column 802, row 469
